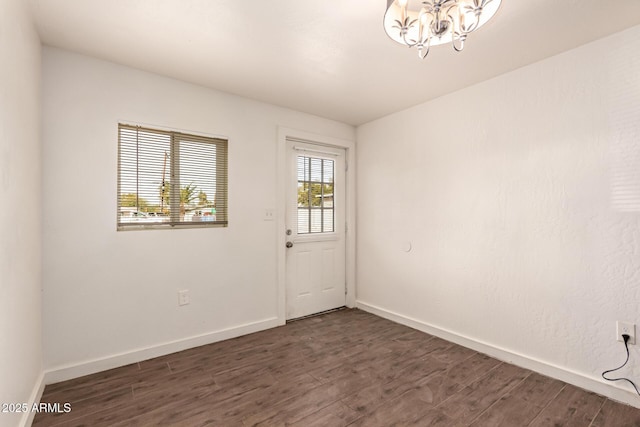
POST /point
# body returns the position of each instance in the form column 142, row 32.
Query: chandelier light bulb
column 422, row 24
column 461, row 21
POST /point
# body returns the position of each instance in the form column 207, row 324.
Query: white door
column 315, row 227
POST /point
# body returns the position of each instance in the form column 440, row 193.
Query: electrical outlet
column 183, row 297
column 626, row 328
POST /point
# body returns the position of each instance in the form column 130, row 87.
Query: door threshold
column 344, row 307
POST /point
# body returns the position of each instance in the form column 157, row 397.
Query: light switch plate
column 269, row 214
column 183, row 297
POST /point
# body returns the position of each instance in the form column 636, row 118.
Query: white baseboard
column 578, row 379
column 36, row 394
column 67, row 372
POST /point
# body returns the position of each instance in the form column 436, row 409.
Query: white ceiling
column 328, row 58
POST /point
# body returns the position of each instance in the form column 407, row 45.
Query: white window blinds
column 170, row 179
column 316, row 212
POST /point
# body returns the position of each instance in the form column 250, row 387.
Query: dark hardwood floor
column 342, row 368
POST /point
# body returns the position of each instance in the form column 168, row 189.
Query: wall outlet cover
column 627, row 328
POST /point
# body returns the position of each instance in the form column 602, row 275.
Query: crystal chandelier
column 432, row 22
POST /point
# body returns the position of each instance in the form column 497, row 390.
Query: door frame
column 281, row 203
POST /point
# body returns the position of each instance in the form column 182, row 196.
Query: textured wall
column 20, row 208
column 108, row 293
column 520, row 198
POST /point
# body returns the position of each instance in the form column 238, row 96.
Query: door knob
column 289, row 244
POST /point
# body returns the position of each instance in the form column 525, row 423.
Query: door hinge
column 346, row 166
column 345, row 288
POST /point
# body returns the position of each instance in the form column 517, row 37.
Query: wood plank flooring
column 345, row 368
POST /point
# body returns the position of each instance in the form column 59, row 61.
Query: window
column 170, row 179
column 315, row 195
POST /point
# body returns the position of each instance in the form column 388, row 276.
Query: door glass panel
column 327, row 196
column 303, row 169
column 303, row 221
column 316, row 169
column 328, row 218
column 315, row 195
column 316, row 221
column 303, row 194
column 328, row 171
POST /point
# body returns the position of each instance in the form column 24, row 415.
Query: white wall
column 504, row 191
column 20, row 210
column 113, row 295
